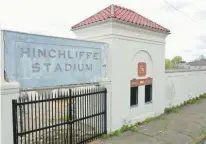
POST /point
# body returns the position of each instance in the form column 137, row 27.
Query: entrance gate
column 67, row 116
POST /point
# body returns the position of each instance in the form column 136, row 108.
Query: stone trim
column 184, row 70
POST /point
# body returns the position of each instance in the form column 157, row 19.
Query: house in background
column 196, row 64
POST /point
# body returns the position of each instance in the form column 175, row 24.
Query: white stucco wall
column 182, row 85
column 129, row 45
column 125, row 63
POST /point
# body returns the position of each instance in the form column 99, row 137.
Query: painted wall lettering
column 59, row 54
column 36, row 61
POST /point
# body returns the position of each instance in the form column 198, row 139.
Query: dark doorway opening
column 133, row 96
column 148, row 93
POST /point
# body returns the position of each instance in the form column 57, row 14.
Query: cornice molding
column 139, row 29
column 113, row 36
column 113, row 27
column 113, row 23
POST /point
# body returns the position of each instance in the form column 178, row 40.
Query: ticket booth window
column 133, row 96
column 148, row 93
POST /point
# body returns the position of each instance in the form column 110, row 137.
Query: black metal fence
column 72, row 116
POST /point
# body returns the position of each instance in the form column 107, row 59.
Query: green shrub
column 167, row 110
column 148, row 120
column 133, row 128
column 182, row 104
column 105, row 136
column 117, row 133
column 204, row 95
column 124, row 128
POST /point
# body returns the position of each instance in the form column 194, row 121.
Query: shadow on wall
column 169, row 92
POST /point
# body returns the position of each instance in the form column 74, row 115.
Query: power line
column 180, row 11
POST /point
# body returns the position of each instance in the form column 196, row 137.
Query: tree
column 201, row 57
column 168, row 64
column 172, row 63
column 176, row 60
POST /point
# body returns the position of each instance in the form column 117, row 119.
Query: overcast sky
column 55, row 17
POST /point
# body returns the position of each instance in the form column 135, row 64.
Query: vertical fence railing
column 15, row 128
column 70, row 116
column 105, row 110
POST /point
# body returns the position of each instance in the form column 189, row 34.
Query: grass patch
column 150, row 119
column 124, row 128
column 134, row 128
column 174, row 109
column 198, row 139
column 64, row 118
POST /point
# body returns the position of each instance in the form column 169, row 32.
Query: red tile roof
column 123, row 14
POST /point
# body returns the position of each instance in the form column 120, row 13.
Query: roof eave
column 90, row 25
column 123, row 22
column 142, row 26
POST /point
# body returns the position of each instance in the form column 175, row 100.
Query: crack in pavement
column 154, row 137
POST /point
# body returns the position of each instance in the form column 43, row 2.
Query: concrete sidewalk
column 176, row 128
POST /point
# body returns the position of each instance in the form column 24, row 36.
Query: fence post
column 15, row 120
column 105, row 104
column 9, row 91
column 106, row 82
column 70, row 116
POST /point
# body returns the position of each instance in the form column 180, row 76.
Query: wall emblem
column 142, row 69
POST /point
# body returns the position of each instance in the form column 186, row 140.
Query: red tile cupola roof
column 122, row 14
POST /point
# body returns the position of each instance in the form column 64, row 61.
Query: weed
column 105, row 136
column 198, row 139
column 117, row 133
column 173, row 109
column 134, row 128
column 147, row 120
column 124, row 128
column 182, row 104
